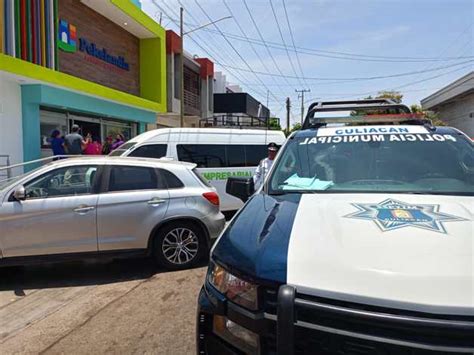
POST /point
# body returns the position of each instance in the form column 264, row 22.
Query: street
column 124, row 306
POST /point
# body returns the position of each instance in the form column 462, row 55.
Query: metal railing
column 6, row 170
column 237, row 121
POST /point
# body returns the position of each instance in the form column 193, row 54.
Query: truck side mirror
column 239, row 187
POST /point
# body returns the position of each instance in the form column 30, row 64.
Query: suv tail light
column 212, row 197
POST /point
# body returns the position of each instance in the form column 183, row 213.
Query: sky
column 338, row 49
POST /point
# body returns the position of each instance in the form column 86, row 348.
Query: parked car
column 219, row 153
column 359, row 242
column 103, row 206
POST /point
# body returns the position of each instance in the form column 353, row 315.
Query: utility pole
column 288, row 110
column 181, row 67
column 268, row 96
column 302, row 102
column 181, row 62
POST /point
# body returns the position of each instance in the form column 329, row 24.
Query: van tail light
column 212, row 197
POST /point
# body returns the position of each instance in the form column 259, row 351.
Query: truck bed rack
column 386, row 111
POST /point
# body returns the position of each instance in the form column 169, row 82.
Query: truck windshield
column 430, row 163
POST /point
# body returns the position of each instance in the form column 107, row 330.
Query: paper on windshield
column 295, row 182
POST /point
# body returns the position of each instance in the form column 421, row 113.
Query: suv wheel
column 179, row 245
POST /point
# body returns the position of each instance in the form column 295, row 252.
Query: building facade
column 455, row 104
column 198, row 86
column 98, row 64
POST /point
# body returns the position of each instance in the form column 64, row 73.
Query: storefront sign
column 67, row 42
column 102, row 54
column 67, row 37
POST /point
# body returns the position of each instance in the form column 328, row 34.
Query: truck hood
column 403, row 251
column 399, row 250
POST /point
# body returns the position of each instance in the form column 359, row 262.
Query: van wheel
column 179, row 245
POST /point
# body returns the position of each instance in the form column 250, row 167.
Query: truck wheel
column 179, row 245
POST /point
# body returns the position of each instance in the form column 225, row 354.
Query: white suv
column 83, row 207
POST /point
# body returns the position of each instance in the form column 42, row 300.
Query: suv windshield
column 409, row 163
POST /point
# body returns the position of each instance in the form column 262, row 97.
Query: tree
column 395, row 96
column 274, row 123
column 296, row 127
column 430, row 115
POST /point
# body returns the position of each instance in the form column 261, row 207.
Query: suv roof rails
column 391, row 112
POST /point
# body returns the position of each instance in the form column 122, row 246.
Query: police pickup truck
column 360, row 241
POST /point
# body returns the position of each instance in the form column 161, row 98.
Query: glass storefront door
column 95, row 126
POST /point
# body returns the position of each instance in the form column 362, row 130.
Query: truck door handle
column 155, row 201
column 82, row 209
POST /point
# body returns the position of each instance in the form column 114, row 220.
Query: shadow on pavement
column 85, row 273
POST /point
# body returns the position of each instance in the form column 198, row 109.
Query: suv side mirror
column 19, row 194
column 241, row 188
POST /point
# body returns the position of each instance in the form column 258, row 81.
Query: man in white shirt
column 264, row 166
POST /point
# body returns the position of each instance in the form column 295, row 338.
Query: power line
column 251, row 45
column 235, row 50
column 230, row 70
column 356, row 78
column 293, row 41
column 346, row 96
column 338, row 54
column 283, row 41
column 263, row 41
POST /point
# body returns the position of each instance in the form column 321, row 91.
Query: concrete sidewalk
column 119, row 307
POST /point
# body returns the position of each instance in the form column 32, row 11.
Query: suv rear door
column 134, row 200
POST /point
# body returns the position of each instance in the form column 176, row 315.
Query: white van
column 218, row 153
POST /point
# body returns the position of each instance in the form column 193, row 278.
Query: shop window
column 50, row 121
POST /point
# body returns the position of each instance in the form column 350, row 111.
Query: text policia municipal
column 380, row 138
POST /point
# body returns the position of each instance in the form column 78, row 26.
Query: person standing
column 94, row 147
column 264, row 166
column 74, row 142
column 57, row 143
column 119, row 140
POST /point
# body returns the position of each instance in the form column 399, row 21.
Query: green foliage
column 430, row 115
column 396, row 96
column 274, row 123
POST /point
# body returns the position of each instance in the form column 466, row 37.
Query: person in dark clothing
column 74, row 142
column 107, row 147
column 57, row 143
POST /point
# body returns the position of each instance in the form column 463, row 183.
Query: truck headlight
column 235, row 289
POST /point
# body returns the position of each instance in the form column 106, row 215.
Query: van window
column 150, row 151
column 255, row 153
column 204, row 155
column 220, row 155
column 235, row 155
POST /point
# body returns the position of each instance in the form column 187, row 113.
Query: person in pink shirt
column 93, row 147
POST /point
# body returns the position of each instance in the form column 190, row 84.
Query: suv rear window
column 129, row 178
column 172, row 181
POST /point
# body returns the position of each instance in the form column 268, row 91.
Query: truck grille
column 323, row 326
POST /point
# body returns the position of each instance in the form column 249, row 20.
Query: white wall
column 11, row 134
column 459, row 114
